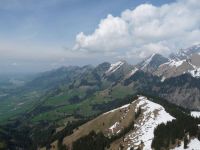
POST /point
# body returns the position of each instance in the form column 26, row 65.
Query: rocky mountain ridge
column 184, row 61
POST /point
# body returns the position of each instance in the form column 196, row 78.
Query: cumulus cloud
column 112, row 33
column 145, row 30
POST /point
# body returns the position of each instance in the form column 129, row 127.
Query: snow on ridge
column 196, row 47
column 147, row 61
column 117, row 127
column 195, row 72
column 115, row 66
column 195, row 114
column 193, row 145
column 153, row 115
column 132, row 72
column 189, row 50
column 173, row 63
column 195, row 67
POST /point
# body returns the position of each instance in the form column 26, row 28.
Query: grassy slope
column 101, row 123
column 84, row 107
column 110, row 118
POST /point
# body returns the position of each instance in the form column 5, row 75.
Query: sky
column 39, row 35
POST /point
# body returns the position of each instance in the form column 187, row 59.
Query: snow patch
column 132, row 72
column 193, row 145
column 115, row 67
column 153, row 115
column 163, row 79
column 146, row 62
column 115, row 125
column 195, row 73
column 173, row 63
column 195, row 114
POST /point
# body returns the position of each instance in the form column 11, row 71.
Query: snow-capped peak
column 192, row 49
column 184, row 61
column 115, row 66
column 186, row 53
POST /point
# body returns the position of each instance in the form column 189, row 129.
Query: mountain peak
column 115, row 66
column 192, row 49
column 152, row 62
column 186, row 52
column 149, row 59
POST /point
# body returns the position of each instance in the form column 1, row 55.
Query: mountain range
column 44, row 106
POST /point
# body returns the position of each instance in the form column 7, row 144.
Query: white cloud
column 112, row 33
column 144, row 30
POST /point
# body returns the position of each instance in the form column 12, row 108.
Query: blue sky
column 57, row 21
column 32, row 32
